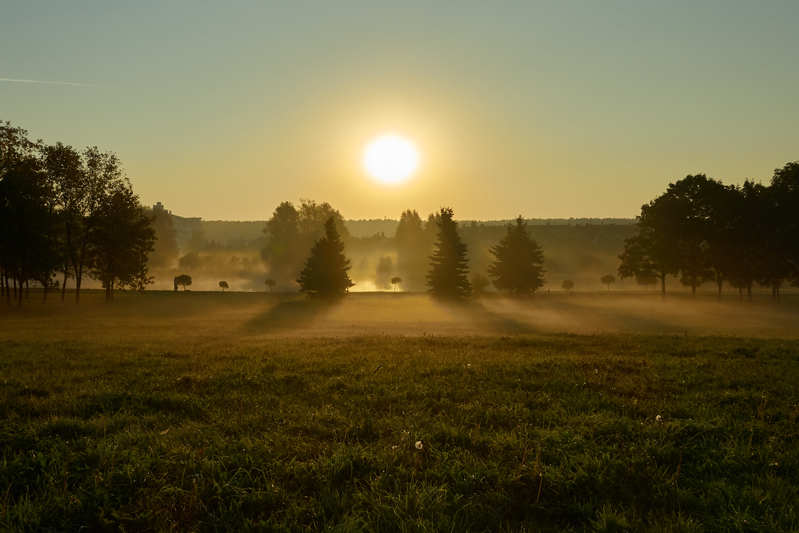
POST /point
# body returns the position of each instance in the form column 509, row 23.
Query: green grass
column 128, row 426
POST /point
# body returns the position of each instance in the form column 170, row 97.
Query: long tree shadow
column 487, row 320
column 289, row 315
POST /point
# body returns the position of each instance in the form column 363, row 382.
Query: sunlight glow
column 390, row 158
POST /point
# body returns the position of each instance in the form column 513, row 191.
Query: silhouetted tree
column 652, row 251
column 122, row 238
column 518, row 264
column 448, row 264
column 413, row 249
column 325, row 273
column 395, row 281
column 28, row 239
column 608, row 280
column 291, row 232
column 749, row 228
column 223, row 285
column 64, row 168
column 183, row 280
column 567, row 285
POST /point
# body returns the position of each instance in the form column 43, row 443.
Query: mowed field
column 391, row 412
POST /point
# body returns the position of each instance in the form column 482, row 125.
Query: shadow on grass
column 300, row 313
column 486, row 319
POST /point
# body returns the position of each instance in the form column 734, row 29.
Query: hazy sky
column 548, row 109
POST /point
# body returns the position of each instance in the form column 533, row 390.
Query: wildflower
column 658, row 418
column 419, row 445
column 394, row 447
column 596, row 371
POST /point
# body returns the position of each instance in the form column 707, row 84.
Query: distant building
column 159, row 207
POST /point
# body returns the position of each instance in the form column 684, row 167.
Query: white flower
column 419, row 445
column 658, row 418
column 596, row 371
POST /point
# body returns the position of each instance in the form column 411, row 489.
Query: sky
column 545, row 109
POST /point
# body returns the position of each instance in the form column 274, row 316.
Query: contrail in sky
column 47, row 82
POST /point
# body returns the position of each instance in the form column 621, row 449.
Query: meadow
column 391, row 412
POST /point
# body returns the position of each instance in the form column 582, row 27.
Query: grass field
column 393, row 413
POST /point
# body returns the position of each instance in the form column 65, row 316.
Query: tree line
column 517, row 267
column 67, row 214
column 705, row 231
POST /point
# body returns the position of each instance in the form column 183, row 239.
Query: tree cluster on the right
column 703, row 230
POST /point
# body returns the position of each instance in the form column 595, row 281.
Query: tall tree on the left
column 27, row 215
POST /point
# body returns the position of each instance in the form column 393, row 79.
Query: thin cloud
column 49, row 82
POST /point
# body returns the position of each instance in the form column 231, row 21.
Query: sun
column 390, row 158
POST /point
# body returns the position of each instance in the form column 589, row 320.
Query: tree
column 325, row 273
column 567, row 285
column 64, row 168
column 270, row 283
column 223, row 285
column 651, row 252
column 479, row 283
column 413, row 248
column 608, row 279
column 518, row 262
column 83, row 184
column 122, row 238
column 395, row 281
column 448, row 264
column 183, row 280
column 781, row 263
column 385, row 267
column 291, row 232
column 28, row 241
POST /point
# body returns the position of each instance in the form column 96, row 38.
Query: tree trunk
column 663, row 285
column 44, row 292
column 27, row 289
column 77, row 286
column 693, row 290
column 749, row 291
column 15, row 287
column 719, row 283
column 19, row 294
column 109, row 288
column 64, row 285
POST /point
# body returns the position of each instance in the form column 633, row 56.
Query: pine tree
column 325, row 272
column 449, row 267
column 518, row 267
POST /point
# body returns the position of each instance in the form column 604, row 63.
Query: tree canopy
column 325, row 273
column 449, row 267
column 518, row 262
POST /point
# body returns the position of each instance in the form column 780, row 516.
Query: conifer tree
column 518, row 264
column 449, row 266
column 325, row 272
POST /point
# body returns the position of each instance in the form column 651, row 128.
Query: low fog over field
column 197, row 316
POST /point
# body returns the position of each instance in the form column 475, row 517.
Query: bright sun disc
column 390, row 158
